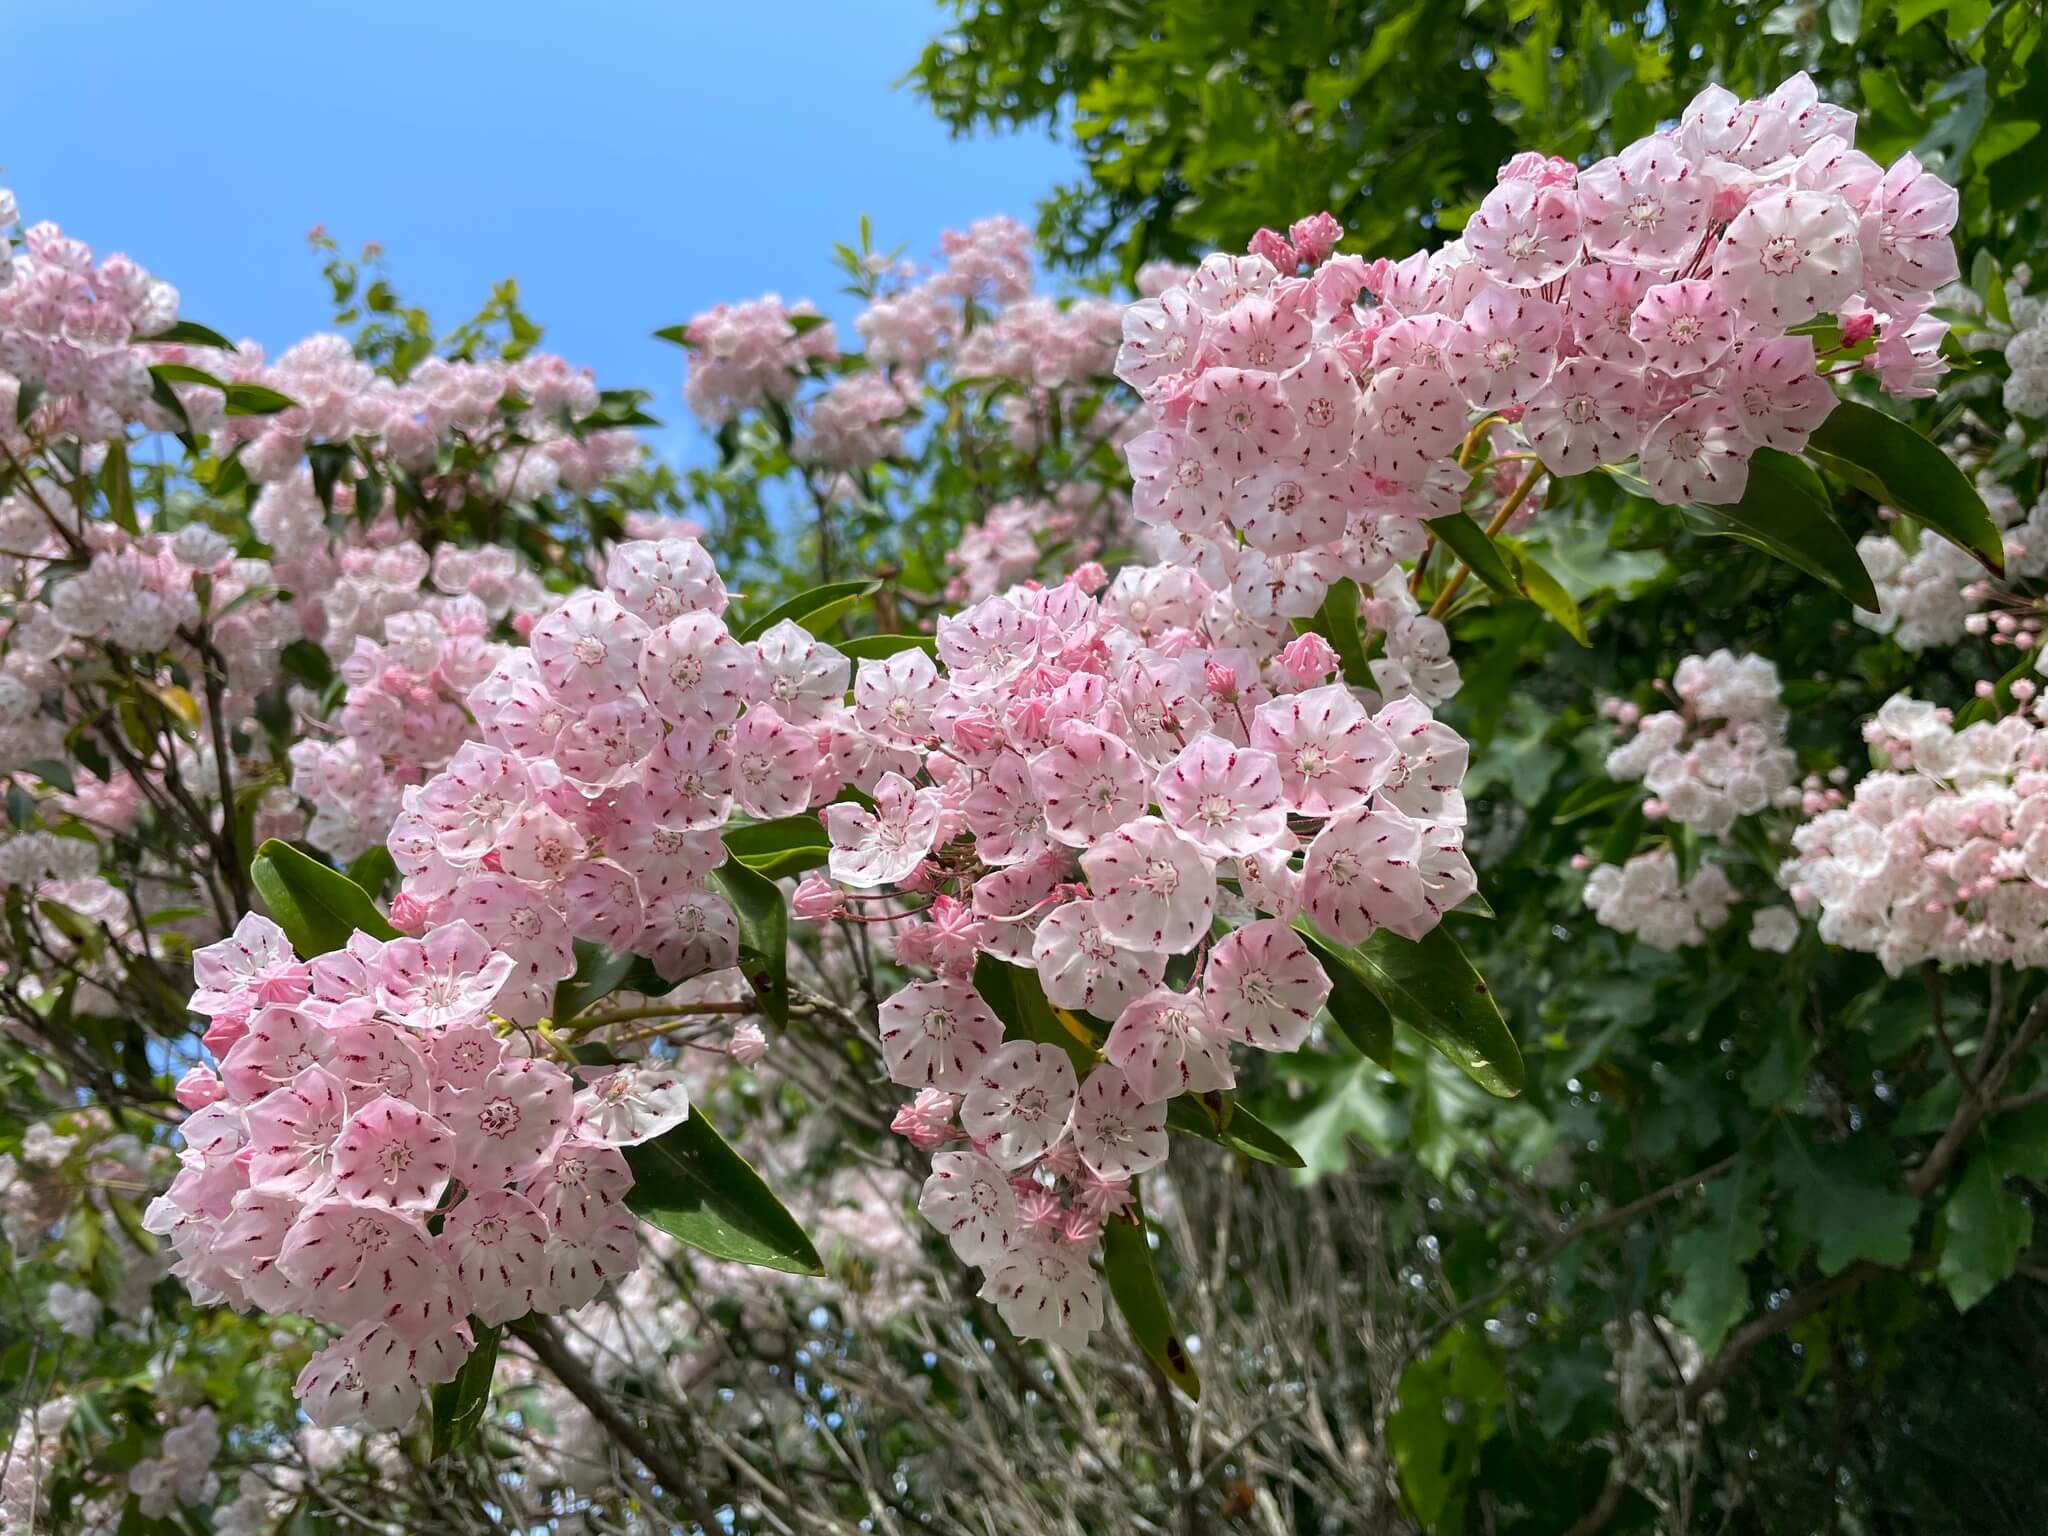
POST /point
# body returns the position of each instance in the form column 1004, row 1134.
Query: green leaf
column 694, row 1187
column 1983, row 1229
column 1240, row 1130
column 54, row 772
column 878, row 647
column 679, row 334
column 764, row 934
column 1134, row 1286
column 184, row 373
column 317, row 907
column 459, row 1404
column 1468, row 541
column 1337, row 622
column 1785, row 512
column 191, row 333
column 1432, row 988
column 1711, row 1257
column 1590, row 797
column 599, row 973
column 1359, row 1015
column 788, row 845
column 256, row 400
column 1839, row 1198
column 816, row 610
column 1435, row 1449
column 1545, row 590
column 1014, row 995
column 1892, row 462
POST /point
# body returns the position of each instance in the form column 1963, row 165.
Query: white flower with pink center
column 1227, row 800
column 1288, row 506
column 1021, row 1103
column 1004, row 814
column 1600, row 301
column 256, row 959
column 1504, row 348
column 1118, row 1132
column 1645, row 207
column 292, row 1132
column 624, row 1106
column 393, row 1153
column 695, row 673
column 1047, row 1291
column 281, row 1043
column 988, row 644
column 1412, row 417
column 468, row 802
column 893, row 697
column 1223, row 279
column 882, row 846
column 496, row 1243
column 1090, row 783
column 1431, row 762
column 1525, row 234
column 579, row 1188
column 1160, row 337
column 1584, row 417
column 1079, row 968
column 358, row 1263
column 363, row 1378
column 688, row 779
column 1175, row 484
column 1683, row 328
column 1166, row 1045
column 1778, row 394
column 773, row 763
column 936, row 1034
column 374, row 1057
column 578, row 1268
column 506, row 1126
column 1263, row 986
column 540, row 846
column 604, row 906
column 587, row 649
column 1153, row 889
column 689, row 932
column 1330, row 754
column 519, row 921
column 1324, row 398
column 800, row 676
column 1361, row 874
column 1240, row 418
column 1261, row 334
column 1697, row 453
column 450, row 977
column 1788, row 256
column 1907, row 252
column 661, row 580
column 968, row 1198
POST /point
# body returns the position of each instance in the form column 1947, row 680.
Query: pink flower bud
column 1090, row 576
column 1308, row 659
column 748, row 1044
column 816, row 899
column 1858, row 325
column 1274, row 248
column 200, row 1087
column 1219, row 679
column 1315, row 237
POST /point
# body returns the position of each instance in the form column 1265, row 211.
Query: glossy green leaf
column 694, row 1187
column 1785, row 511
column 877, row 647
column 317, row 907
column 788, row 845
column 191, row 333
column 1536, row 583
column 1892, row 462
column 1014, row 995
column 1468, row 541
column 816, row 610
column 459, row 1404
column 184, row 373
column 1431, row 987
column 598, row 974
column 255, row 400
column 1134, row 1286
column 1358, row 1013
column 764, row 934
column 1241, row 1130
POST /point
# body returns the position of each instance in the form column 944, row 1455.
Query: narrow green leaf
column 191, row 333
column 459, row 1404
column 599, row 973
column 256, row 400
column 184, row 373
column 1888, row 459
column 1786, row 512
column 54, row 772
column 764, row 934
column 1242, row 1131
column 1590, row 797
column 679, row 334
column 1432, row 988
column 694, row 1187
column 1545, row 591
column 879, row 647
column 1468, row 541
column 317, row 907
column 1134, row 1286
column 1358, row 1013
column 788, row 845
column 816, row 610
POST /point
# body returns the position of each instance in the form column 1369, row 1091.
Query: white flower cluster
column 1647, row 897
column 1721, row 754
column 183, row 1472
column 1935, row 595
column 1943, row 854
column 2026, row 356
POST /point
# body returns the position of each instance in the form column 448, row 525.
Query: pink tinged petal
column 579, row 1186
column 292, row 1133
column 689, row 933
column 1525, row 234
column 1331, row 755
column 625, row 1106
column 936, row 1034
column 1412, row 417
column 358, row 1263
column 1153, row 889
column 579, row 1268
column 1166, row 1045
column 1047, row 1291
column 495, row 1243
column 1080, row 968
column 1778, row 395
column 1118, row 1133
column 1646, row 207
column 1240, row 418
column 1021, row 1103
column 1583, row 417
column 506, row 1127
column 1683, row 328
column 348, row 1385
column 695, row 673
column 1225, row 799
column 1090, row 782
column 1697, row 453
column 1263, row 986
column 1361, row 874
column 393, row 1153
column 1504, row 348
column 1788, row 256
column 587, row 649
column 968, row 1198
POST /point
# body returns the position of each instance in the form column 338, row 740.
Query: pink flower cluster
column 743, row 356
column 1073, row 787
column 1648, row 895
column 1941, row 855
column 73, row 331
column 372, row 1154
column 1644, row 308
column 1721, row 754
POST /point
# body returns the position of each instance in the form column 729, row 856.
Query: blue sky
column 629, row 161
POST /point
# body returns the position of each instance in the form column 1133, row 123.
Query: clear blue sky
column 629, row 161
